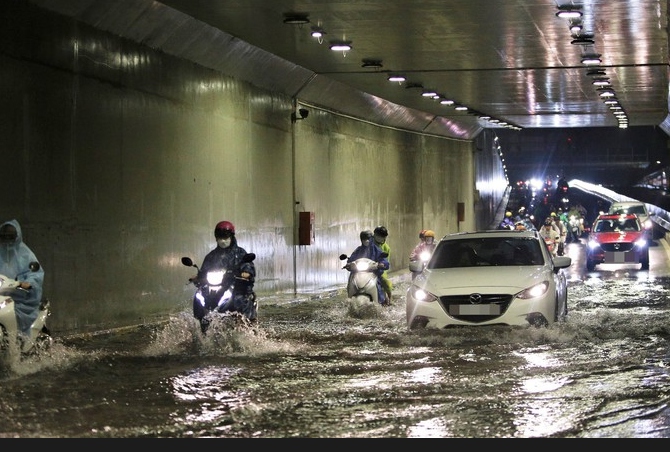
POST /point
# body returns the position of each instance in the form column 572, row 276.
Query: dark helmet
column 224, row 229
column 421, row 233
column 548, row 221
column 366, row 235
column 381, row 231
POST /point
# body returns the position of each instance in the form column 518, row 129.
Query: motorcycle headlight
column 225, row 297
column 362, row 266
column 200, row 298
column 215, row 278
column 534, row 291
column 425, row 256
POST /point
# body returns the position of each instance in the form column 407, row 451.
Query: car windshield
column 498, row 251
column 636, row 209
column 616, row 225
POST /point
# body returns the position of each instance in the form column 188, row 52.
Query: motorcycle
column 39, row 338
column 417, row 266
column 363, row 281
column 574, row 229
column 551, row 245
column 215, row 296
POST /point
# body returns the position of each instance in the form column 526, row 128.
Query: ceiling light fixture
column 447, row 102
column 429, row 93
column 583, row 40
column 340, row 46
column 318, row 33
column 596, row 72
column 575, row 27
column 461, row 108
column 371, row 64
column 606, row 92
column 591, row 60
column 569, row 12
column 601, row 81
column 296, row 18
column 396, row 78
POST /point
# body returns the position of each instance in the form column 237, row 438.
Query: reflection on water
column 330, row 368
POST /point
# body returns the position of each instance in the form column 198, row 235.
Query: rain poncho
column 15, row 259
column 373, row 252
column 231, row 258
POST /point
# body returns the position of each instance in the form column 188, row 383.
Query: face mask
column 223, row 243
column 365, row 242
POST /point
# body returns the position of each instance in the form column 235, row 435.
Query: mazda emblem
column 475, row 298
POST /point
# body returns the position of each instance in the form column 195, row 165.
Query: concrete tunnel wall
column 119, row 160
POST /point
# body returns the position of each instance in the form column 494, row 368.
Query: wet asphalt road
column 317, row 368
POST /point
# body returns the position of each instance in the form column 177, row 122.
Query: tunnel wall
column 120, row 159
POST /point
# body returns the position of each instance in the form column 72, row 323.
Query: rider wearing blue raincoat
column 15, row 259
column 369, row 249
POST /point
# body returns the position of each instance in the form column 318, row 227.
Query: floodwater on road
column 327, row 368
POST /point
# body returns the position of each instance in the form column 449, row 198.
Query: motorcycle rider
column 507, row 222
column 15, row 259
column 380, row 234
column 550, row 235
column 369, row 249
column 228, row 254
column 427, row 243
column 562, row 231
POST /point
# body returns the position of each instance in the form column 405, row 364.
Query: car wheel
column 590, row 265
column 561, row 310
column 644, row 261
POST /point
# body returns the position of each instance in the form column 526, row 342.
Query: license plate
column 619, row 257
column 474, row 309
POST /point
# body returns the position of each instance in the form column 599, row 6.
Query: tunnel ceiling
column 513, row 60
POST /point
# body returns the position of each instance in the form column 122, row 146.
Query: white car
column 499, row 277
column 636, row 207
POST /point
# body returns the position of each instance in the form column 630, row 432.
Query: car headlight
column 592, row 244
column 647, row 224
column 535, row 291
column 421, row 295
column 641, row 243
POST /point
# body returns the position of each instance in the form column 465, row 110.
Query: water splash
column 181, row 335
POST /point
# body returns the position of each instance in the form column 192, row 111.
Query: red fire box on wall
column 306, row 228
